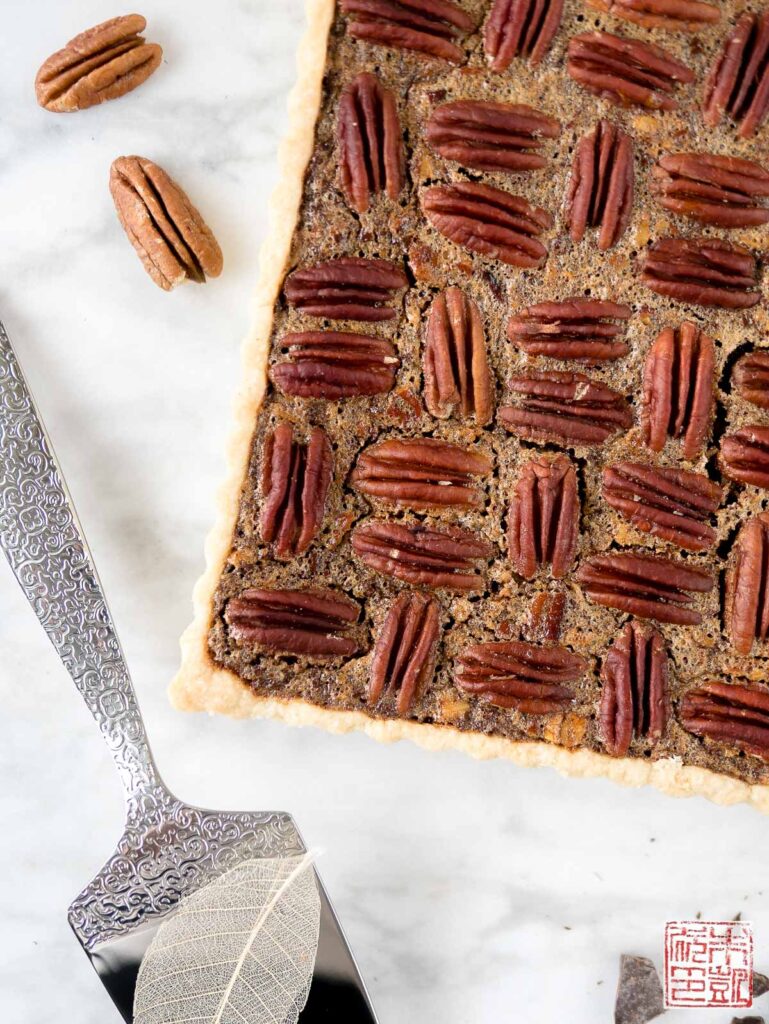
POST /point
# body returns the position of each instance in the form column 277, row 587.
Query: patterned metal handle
column 42, row 540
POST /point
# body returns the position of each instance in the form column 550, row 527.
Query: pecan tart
column 500, row 479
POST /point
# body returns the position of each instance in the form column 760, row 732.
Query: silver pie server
column 168, row 849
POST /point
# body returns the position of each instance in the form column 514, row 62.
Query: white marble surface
column 471, row 892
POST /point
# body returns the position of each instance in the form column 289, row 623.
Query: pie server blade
column 168, row 849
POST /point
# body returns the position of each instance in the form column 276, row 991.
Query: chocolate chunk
column 639, row 992
column 760, row 985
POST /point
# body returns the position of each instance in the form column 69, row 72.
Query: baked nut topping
column 634, row 696
column 729, row 713
column 738, row 83
column 302, row 622
column 671, row 15
column 427, row 26
column 543, row 520
column 745, row 456
column 543, row 622
column 702, row 271
column 520, row 28
column 587, row 330
column 747, row 586
column 335, row 364
column 370, row 142
column 512, row 674
column 348, row 288
column 751, row 377
column 720, row 190
column 102, row 63
column 403, row 661
column 602, row 185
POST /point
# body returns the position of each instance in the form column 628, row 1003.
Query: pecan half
column 172, row 240
column 738, row 82
column 347, row 288
column 634, row 697
column 567, row 408
column 427, row 26
column 503, row 137
column 648, row 586
column 583, row 329
column 488, row 221
column 729, row 713
column 421, row 473
column 403, row 661
column 457, row 379
column 720, row 190
column 102, row 63
column 678, row 389
column 513, row 674
column 669, row 503
column 626, row 71
column 370, row 142
column 421, row 555
column 672, row 15
column 520, row 28
column 335, row 364
column 303, row 622
column 602, row 185
column 747, row 586
column 745, row 456
column 295, row 482
column 544, row 618
column 751, row 377
column 543, row 521
column 703, row 271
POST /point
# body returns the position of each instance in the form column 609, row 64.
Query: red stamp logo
column 708, row 963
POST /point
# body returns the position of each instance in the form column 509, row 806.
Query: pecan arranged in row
column 583, row 329
column 295, row 482
column 747, row 585
column 626, row 71
column 738, row 82
column 489, row 221
column 512, row 674
column 102, row 63
column 335, row 364
column 543, row 521
column 745, row 456
column 729, row 713
column 455, row 365
column 602, row 185
column 421, row 555
column 421, row 473
column 303, row 622
column 720, row 190
column 520, row 28
column 403, row 661
column 491, row 136
column 370, row 142
column 427, row 26
column 348, row 288
column 703, row 271
column 634, row 697
column 545, row 615
column 648, row 586
column 669, row 503
column 672, row 15
column 567, row 408
column 751, row 377
column 678, row 389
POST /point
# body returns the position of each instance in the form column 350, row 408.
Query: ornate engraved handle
column 42, row 540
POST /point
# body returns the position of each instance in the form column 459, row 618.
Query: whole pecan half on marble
column 745, row 456
column 635, row 702
column 602, row 185
column 421, row 555
column 626, row 71
column 102, row 63
column 513, row 674
column 403, row 661
column 421, row 473
column 669, row 503
column 427, row 26
column 678, row 390
column 504, row 137
column 544, row 618
column 335, row 364
column 746, row 611
column 347, row 288
column 720, row 190
column 457, row 378
column 738, row 82
column 295, row 482
column 729, row 713
column 488, row 221
column 308, row 622
column 172, row 240
column 751, row 377
column 565, row 408
column 370, row 142
column 702, row 271
column 671, row 15
column 543, row 520
column 587, row 330
column 648, row 586
column 520, row 28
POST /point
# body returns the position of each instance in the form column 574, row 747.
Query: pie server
column 168, row 849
